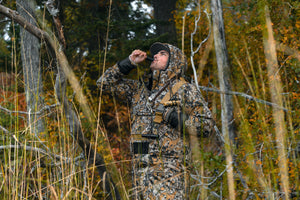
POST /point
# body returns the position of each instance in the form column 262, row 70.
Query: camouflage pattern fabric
column 160, row 153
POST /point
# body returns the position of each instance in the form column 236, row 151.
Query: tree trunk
column 276, row 97
column 30, row 50
column 224, row 81
column 223, row 67
column 164, row 19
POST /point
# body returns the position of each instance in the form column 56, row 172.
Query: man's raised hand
column 137, row 56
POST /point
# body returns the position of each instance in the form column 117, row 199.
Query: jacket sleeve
column 113, row 81
column 199, row 117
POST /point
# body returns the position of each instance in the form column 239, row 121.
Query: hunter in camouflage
column 163, row 107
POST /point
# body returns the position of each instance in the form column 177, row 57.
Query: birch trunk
column 224, row 81
column 30, row 56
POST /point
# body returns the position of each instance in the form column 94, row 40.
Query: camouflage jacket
column 160, row 154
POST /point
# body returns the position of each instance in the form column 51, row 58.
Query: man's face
column 160, row 60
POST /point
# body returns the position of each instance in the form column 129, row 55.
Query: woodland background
column 56, row 137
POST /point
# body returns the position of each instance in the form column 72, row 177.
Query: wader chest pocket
column 140, row 147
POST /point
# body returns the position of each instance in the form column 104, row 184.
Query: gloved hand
column 175, row 118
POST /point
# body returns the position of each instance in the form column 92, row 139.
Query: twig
column 30, row 113
column 198, row 178
column 244, row 183
column 201, row 43
column 29, row 148
column 50, row 4
column 5, row 20
column 4, row 129
column 251, row 98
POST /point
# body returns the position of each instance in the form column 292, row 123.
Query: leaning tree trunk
column 224, row 81
column 276, row 92
column 30, row 50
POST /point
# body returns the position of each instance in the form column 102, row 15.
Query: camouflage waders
column 160, row 153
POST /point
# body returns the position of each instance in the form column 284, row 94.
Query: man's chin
column 152, row 67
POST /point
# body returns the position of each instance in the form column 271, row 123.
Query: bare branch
column 14, row 15
column 39, row 150
column 201, row 43
column 30, row 113
column 251, row 98
column 4, row 130
column 5, row 20
column 50, row 4
column 214, row 179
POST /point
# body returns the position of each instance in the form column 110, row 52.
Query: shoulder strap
column 158, row 114
column 175, row 88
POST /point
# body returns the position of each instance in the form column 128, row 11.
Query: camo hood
column 176, row 66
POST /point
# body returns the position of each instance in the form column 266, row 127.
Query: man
column 163, row 106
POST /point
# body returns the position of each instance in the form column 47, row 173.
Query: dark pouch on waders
column 140, row 144
column 140, row 147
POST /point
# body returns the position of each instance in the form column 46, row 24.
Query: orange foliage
column 7, row 96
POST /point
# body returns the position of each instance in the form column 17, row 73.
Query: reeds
column 51, row 165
